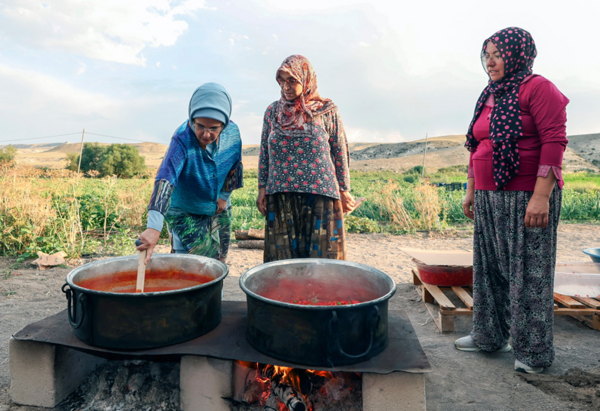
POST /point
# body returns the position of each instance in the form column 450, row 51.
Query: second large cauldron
column 352, row 329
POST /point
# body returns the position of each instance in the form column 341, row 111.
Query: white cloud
column 81, row 69
column 363, row 44
column 41, row 99
column 111, row 30
column 158, row 64
column 356, row 135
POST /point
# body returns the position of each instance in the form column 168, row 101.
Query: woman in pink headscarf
column 303, row 178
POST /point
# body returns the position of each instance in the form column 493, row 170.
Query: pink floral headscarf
column 294, row 114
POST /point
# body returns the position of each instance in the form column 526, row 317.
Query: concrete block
column 43, row 374
column 396, row 391
column 203, row 381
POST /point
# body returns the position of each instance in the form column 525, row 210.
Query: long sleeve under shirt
column 191, row 179
column 541, row 148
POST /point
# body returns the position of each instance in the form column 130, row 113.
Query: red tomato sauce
column 315, row 302
column 156, row 280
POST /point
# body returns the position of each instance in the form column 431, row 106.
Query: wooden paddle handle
column 141, row 274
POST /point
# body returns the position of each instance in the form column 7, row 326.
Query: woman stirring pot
column 517, row 139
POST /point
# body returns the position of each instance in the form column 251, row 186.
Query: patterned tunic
column 313, row 159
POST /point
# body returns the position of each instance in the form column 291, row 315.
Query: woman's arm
column 263, row 163
column 165, row 183
column 539, row 204
column 469, row 200
column 341, row 159
column 547, row 106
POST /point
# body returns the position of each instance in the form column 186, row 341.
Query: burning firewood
column 284, row 392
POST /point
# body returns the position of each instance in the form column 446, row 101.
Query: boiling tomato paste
column 156, row 280
column 323, row 291
column 315, row 302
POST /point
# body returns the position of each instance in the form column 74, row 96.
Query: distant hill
column 583, row 153
column 586, row 146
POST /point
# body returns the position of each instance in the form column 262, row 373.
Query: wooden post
column 80, row 151
column 424, row 154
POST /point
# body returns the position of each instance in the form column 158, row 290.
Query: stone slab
column 395, row 391
column 204, row 382
column 44, row 374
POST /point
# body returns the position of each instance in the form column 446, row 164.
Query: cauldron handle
column 81, row 300
column 334, row 335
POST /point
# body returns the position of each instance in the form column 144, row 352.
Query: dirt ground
column 459, row 381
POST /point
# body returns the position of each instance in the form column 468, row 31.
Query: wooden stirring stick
column 141, row 274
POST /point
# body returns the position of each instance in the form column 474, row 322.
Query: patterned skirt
column 301, row 225
column 513, row 276
column 204, row 235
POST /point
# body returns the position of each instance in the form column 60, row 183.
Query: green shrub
column 7, row 154
column 121, row 160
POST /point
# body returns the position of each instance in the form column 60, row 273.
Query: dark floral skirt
column 204, row 235
column 301, row 225
column 513, row 276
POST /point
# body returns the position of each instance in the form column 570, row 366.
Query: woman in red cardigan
column 517, row 139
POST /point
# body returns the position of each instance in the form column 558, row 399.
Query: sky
column 397, row 70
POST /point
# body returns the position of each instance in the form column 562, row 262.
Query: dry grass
column 392, row 203
column 429, row 206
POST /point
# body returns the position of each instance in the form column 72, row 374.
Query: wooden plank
column 440, row 298
column 447, row 322
column 416, row 278
column 575, row 311
column 567, row 301
column 457, row 311
column 464, row 296
column 426, row 296
column 590, row 302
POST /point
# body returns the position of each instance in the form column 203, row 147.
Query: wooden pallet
column 442, row 310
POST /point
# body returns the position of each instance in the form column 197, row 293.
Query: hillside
column 583, row 153
column 587, row 146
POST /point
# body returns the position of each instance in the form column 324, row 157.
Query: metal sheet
column 228, row 341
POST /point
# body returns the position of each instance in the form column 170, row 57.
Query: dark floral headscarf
column 293, row 114
column 518, row 53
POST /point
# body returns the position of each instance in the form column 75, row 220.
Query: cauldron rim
column 75, row 271
column 318, row 261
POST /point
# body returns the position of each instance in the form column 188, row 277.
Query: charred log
column 251, row 234
column 284, row 392
column 252, row 244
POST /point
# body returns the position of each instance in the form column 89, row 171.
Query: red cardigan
column 544, row 117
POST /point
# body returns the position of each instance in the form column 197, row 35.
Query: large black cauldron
column 325, row 336
column 148, row 320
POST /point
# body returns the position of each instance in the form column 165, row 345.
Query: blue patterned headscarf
column 210, row 100
column 518, row 53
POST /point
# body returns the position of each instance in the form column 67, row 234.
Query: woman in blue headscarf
column 194, row 182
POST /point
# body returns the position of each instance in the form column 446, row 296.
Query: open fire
column 275, row 388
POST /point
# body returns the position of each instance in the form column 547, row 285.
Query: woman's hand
column 348, row 203
column 539, row 204
column 469, row 200
column 221, row 206
column 261, row 201
column 537, row 211
column 468, row 205
column 149, row 239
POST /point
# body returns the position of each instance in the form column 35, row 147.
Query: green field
column 89, row 216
